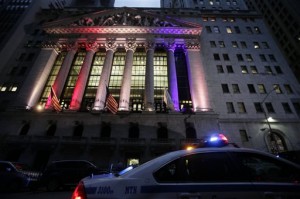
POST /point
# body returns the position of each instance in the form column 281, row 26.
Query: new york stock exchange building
column 162, row 70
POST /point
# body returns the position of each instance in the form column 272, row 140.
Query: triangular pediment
column 121, row 20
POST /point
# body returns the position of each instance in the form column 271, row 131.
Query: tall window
column 160, row 78
column 230, row 107
column 93, row 81
column 55, row 69
column 71, row 80
column 241, row 107
column 138, row 81
column 117, row 74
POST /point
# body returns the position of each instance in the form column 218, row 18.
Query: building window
column 253, row 69
column 244, row 69
column 216, row 57
column 226, row 57
column 225, row 88
column 256, row 45
column 229, row 69
column 216, row 29
column 228, row 30
column 288, row 89
column 234, row 44
column 244, row 135
column 241, row 107
column 286, row 107
column 243, row 44
column 230, row 107
column 268, row 70
column 133, row 131
column 278, row 69
column 220, row 69
column 258, row 107
column 297, row 107
column 240, row 57
column 78, row 129
column 272, row 58
column 251, row 88
column 269, row 107
column 277, row 88
column 265, row 45
column 221, row 44
column 249, row 58
column 257, row 30
column 249, row 30
column 213, row 44
column 235, row 88
column 262, row 58
column 208, row 29
column 237, row 29
column 261, row 88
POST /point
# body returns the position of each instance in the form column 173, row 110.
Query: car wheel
column 53, row 185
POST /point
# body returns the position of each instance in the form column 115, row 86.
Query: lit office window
column 277, row 88
column 95, row 74
column 261, row 88
column 72, row 78
column 116, row 76
column 160, row 74
column 241, row 107
column 51, row 78
column 244, row 69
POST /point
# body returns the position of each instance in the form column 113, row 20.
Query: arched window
column 105, row 130
column 78, row 129
column 190, row 131
column 134, row 131
column 162, row 131
column 51, row 128
column 277, row 143
column 25, row 128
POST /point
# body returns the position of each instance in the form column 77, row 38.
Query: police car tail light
column 79, row 192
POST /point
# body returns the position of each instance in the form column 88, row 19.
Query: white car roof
column 164, row 159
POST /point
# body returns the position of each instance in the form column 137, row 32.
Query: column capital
column 111, row 45
column 92, row 46
column 150, row 45
column 170, row 45
column 130, row 45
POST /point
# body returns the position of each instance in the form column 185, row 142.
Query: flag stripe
column 112, row 104
column 55, row 101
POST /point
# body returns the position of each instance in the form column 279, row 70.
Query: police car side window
column 261, row 168
column 211, row 167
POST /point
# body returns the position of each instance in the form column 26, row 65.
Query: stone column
column 33, row 86
column 172, row 76
column 126, row 81
column 83, row 77
column 196, row 75
column 62, row 74
column 149, row 78
column 99, row 104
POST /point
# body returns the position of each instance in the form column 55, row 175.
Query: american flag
column 55, row 101
column 111, row 102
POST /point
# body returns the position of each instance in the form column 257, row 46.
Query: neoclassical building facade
column 202, row 58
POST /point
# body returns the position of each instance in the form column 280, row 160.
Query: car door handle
column 190, row 196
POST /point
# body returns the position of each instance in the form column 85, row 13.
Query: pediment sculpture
column 123, row 19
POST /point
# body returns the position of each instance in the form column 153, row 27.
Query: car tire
column 53, row 185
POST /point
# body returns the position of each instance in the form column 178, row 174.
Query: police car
column 209, row 172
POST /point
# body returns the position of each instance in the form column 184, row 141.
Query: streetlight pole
column 274, row 146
